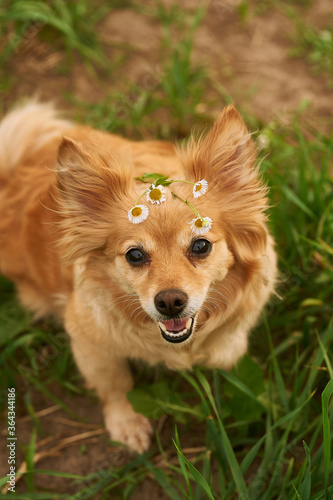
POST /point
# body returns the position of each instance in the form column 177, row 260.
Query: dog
column 143, row 250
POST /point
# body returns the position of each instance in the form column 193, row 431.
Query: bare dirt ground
column 251, row 61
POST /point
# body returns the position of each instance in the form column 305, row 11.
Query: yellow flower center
column 155, row 194
column 199, row 223
column 137, row 211
column 198, row 186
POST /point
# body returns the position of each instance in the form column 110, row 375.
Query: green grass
column 59, row 22
column 263, row 430
column 317, row 46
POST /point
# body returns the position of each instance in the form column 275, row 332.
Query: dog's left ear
column 225, row 157
column 224, row 151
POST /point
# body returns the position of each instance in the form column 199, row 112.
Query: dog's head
column 160, row 270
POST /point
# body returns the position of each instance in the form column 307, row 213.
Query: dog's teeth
column 162, row 326
column 179, row 334
column 188, row 324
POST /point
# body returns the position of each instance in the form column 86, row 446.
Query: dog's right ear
column 89, row 179
column 92, row 185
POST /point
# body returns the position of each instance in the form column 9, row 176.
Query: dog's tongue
column 175, row 325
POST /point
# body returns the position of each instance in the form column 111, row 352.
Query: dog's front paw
column 127, row 427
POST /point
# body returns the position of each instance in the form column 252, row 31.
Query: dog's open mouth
column 176, row 330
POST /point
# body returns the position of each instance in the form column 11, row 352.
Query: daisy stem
column 141, row 196
column 188, row 204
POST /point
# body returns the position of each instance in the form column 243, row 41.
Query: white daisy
column 138, row 214
column 201, row 225
column 200, row 188
column 156, row 194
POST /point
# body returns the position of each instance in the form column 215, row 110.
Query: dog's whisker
column 214, row 290
column 128, row 305
column 145, row 315
column 126, row 298
column 138, row 311
column 126, row 301
column 214, row 300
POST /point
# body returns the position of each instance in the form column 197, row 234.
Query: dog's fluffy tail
column 25, row 130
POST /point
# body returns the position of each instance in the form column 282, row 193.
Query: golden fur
column 65, row 191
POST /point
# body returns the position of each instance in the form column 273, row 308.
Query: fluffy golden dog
column 174, row 273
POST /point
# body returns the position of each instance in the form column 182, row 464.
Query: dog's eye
column 201, row 247
column 136, row 257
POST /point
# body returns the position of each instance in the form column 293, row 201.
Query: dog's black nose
column 170, row 302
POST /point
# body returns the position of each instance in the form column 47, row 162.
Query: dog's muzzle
column 171, row 303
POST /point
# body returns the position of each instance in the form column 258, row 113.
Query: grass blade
column 231, row 457
column 305, row 488
column 250, row 456
column 325, row 355
column 294, row 199
column 163, row 480
column 199, row 479
column 279, row 380
column 241, row 386
column 182, row 462
column 325, row 397
column 29, row 458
